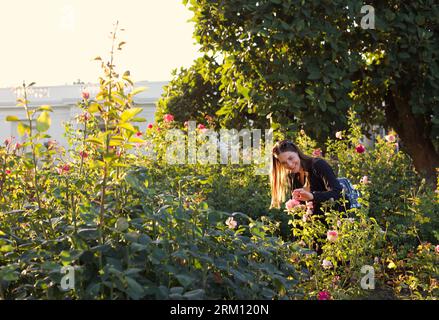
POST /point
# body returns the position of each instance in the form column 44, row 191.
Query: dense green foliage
column 303, row 64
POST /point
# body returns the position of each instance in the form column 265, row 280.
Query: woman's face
column 290, row 161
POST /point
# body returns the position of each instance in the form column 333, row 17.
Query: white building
column 63, row 100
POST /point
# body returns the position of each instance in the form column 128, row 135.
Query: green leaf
column 137, row 91
column 118, row 138
column 136, row 140
column 94, row 107
column 135, row 290
column 115, row 143
column 176, row 290
column 127, row 115
column 204, row 205
column 6, row 248
column 22, row 129
column 314, row 72
column 43, row 121
column 138, row 120
column 184, row 279
column 194, row 294
column 12, row 118
column 309, row 92
column 127, row 126
column 95, row 141
column 122, row 224
column 8, row 273
column 88, row 234
column 45, row 108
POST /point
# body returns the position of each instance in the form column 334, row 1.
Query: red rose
column 168, row 118
column 324, row 295
column 360, row 148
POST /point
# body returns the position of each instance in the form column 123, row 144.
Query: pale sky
column 54, row 42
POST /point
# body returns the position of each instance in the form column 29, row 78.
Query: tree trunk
column 414, row 132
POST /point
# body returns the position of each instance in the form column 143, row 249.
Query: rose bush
column 134, row 226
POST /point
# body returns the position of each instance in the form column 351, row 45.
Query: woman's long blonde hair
column 279, row 180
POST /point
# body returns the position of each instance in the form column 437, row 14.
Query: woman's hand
column 302, row 195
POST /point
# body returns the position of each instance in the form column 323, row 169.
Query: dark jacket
column 323, row 183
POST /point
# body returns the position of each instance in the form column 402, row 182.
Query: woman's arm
column 325, row 172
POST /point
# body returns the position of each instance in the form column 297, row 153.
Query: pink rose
column 186, row 123
column 317, row 152
column 360, row 148
column 63, row 169
column 290, row 204
column 364, row 180
column 8, row 141
column 332, row 235
column 138, row 134
column 85, row 116
column 231, row 223
column 201, row 126
column 390, row 138
column 307, row 216
column 8, row 171
column 336, row 280
column 150, row 126
column 327, row 264
column 338, row 135
column 324, row 295
column 85, row 95
column 437, row 248
column 168, row 118
column 18, row 146
column 83, row 154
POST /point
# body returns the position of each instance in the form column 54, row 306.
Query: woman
column 310, row 179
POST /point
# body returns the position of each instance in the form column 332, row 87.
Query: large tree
column 296, row 62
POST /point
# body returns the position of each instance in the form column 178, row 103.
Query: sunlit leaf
column 94, row 107
column 43, row 121
column 45, row 108
column 130, row 113
column 128, row 126
column 137, row 91
column 95, row 141
column 12, row 118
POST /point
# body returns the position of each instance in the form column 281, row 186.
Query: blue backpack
column 350, row 193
